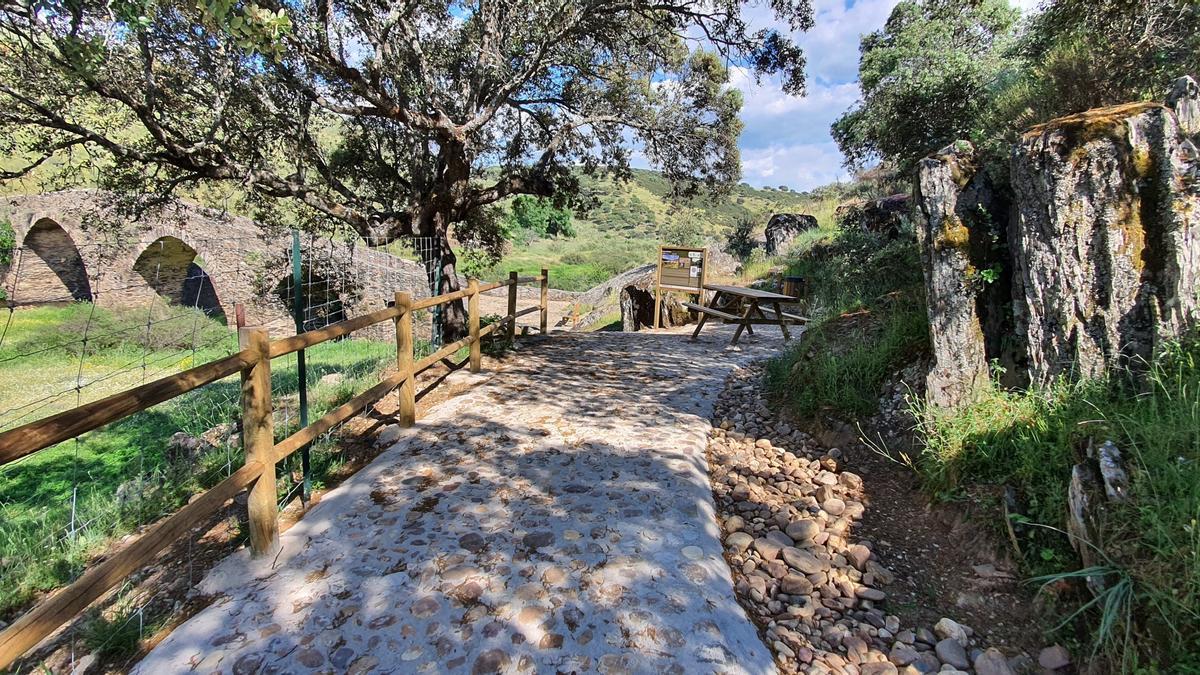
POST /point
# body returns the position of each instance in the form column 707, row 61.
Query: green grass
column 864, row 297
column 119, row 476
column 1150, row 543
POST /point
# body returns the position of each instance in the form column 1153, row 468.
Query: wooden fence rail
column 262, row 453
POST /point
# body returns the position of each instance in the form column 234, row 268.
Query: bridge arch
column 51, row 267
column 174, row 270
column 321, row 300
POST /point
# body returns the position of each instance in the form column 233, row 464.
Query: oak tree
column 397, row 118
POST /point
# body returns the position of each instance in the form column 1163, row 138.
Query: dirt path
column 556, row 518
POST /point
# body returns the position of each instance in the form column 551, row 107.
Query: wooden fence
column 262, row 453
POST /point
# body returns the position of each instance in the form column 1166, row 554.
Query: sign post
column 679, row 269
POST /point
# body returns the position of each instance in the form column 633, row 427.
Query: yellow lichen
column 1133, row 242
column 954, row 235
column 1093, row 124
column 1143, row 163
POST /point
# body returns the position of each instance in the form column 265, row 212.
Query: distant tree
column 740, row 242
column 784, row 188
column 541, row 217
column 397, row 119
column 925, row 79
column 685, row 231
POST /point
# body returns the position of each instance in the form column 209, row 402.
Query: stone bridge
column 73, row 246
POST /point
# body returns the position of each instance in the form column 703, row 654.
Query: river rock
column 949, row 628
column 802, row 560
column 952, row 653
column 992, row 662
column 803, row 531
column 738, row 542
column 1054, row 657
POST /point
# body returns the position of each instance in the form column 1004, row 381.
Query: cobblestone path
column 557, row 518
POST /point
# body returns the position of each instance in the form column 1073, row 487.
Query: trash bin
column 793, row 286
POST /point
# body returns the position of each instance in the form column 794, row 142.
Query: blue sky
column 786, row 140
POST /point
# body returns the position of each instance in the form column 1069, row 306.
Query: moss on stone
column 954, row 235
column 1090, row 125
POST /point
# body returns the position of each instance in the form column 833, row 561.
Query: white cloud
column 787, row 140
column 800, row 166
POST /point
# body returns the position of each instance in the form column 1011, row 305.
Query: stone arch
column 173, row 270
column 322, row 300
column 51, row 267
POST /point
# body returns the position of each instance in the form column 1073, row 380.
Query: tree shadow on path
column 558, row 518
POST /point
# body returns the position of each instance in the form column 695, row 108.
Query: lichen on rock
column 1107, row 236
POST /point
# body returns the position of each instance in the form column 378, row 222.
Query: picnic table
column 754, row 314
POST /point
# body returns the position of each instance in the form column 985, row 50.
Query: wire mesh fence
column 84, row 315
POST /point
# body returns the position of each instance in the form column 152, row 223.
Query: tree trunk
column 440, row 209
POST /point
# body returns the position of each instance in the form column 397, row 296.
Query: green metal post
column 301, row 370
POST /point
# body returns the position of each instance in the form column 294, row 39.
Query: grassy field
column 64, row 504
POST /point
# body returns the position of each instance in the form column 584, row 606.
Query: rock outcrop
column 1107, row 235
column 882, row 216
column 962, row 220
column 637, row 305
column 783, row 228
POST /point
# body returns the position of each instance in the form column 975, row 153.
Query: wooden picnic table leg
column 744, row 324
column 750, row 311
column 782, row 321
column 704, row 317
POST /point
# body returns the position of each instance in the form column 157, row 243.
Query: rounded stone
column 803, row 530
column 950, row 652
column 739, row 542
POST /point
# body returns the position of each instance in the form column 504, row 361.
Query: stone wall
column 1102, row 246
column 73, row 245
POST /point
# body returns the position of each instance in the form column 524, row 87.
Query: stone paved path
column 557, row 518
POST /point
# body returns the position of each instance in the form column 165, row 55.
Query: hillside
column 632, row 219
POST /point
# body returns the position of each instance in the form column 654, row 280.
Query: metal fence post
column 301, row 367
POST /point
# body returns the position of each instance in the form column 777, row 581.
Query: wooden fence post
column 407, row 408
column 544, row 303
column 473, row 312
column 258, row 438
column 512, row 306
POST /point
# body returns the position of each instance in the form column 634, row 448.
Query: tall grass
column 1151, row 542
column 864, row 299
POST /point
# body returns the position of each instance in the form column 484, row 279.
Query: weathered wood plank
column 406, row 412
column 473, row 325
column 544, row 301
column 336, row 416
column 512, row 306
column 29, row 438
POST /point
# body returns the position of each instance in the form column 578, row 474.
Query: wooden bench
column 794, row 318
column 711, row 312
